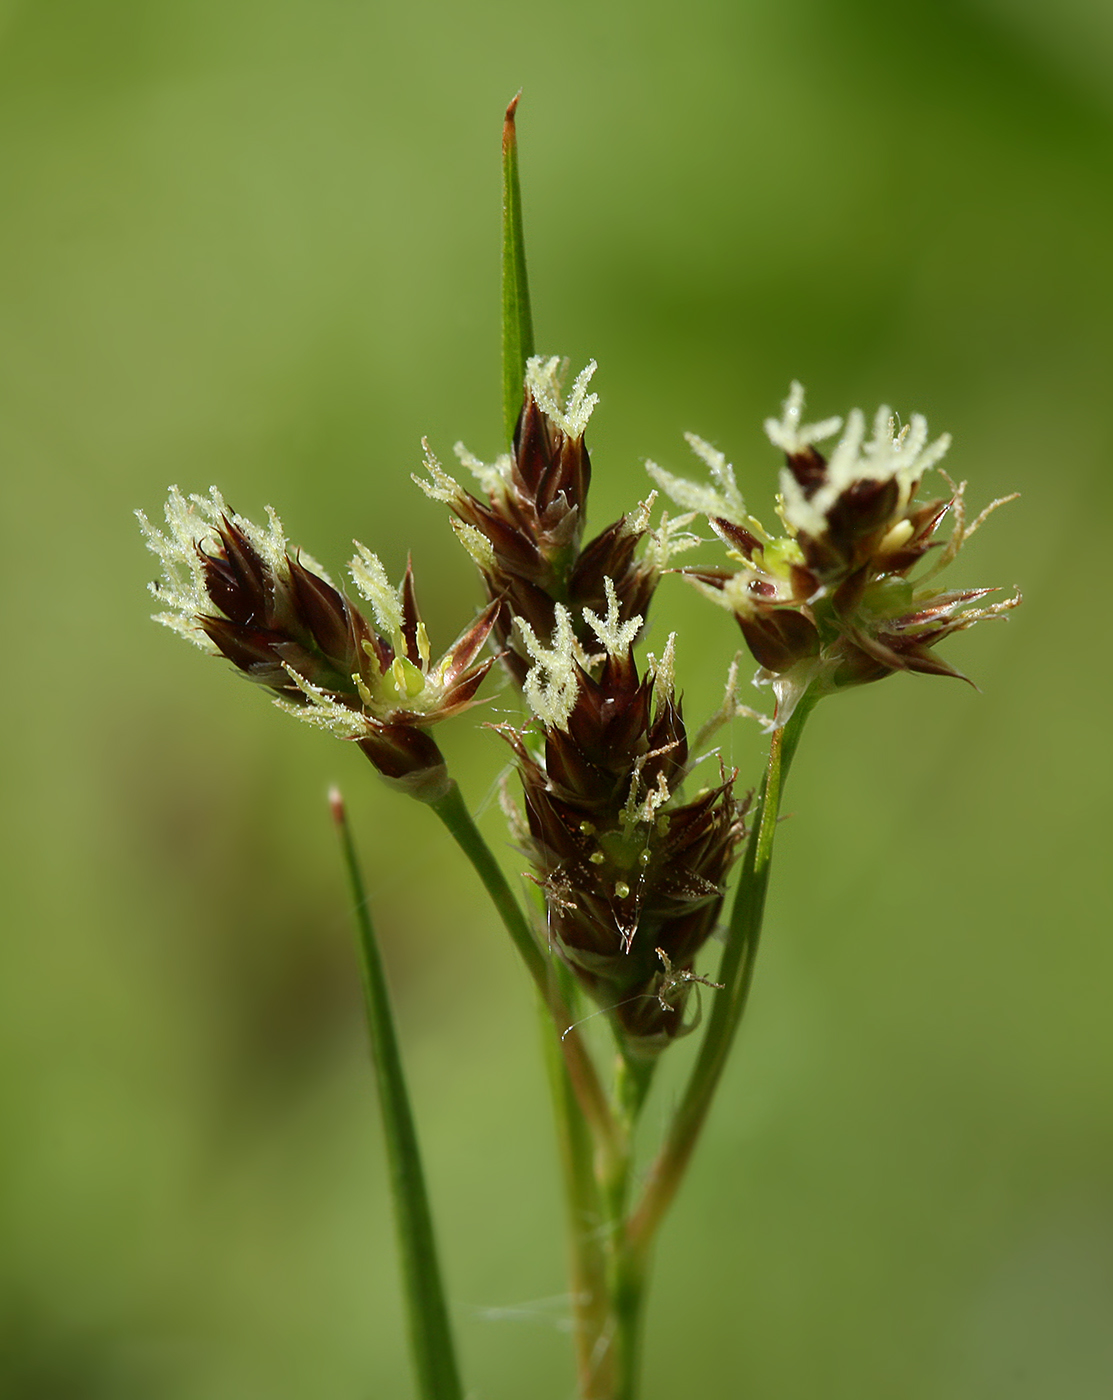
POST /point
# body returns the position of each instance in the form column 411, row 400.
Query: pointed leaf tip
column 517, row 320
column 508, row 132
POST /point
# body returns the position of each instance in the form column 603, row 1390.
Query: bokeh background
column 257, row 244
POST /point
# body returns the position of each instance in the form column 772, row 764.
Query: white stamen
column 721, row 498
column 664, row 670
column 371, row 579
column 442, row 487
column 492, row 477
column 543, row 382
column 617, row 636
column 192, row 525
column 551, row 684
column 786, row 432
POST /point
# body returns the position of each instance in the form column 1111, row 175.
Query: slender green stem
column 517, row 319
column 453, row 811
column 627, row 1267
column 627, row 1300
column 586, row 1234
column 736, row 973
column 430, row 1334
column 590, row 1095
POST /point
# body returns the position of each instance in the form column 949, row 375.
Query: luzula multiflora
column 632, row 869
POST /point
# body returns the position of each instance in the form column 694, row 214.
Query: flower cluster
column 526, row 536
column 633, row 875
column 830, row 603
column 234, row 589
column 632, row 871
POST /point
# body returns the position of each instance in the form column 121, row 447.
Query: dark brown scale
column 616, row 891
column 235, row 579
column 779, row 637
column 534, row 526
column 270, row 626
column 325, row 615
column 737, row 536
column 809, row 467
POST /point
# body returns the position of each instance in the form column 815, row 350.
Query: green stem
column 736, row 973
column 627, row 1301
column 626, row 1266
column 586, row 1235
column 517, row 319
column 592, row 1100
column 430, row 1334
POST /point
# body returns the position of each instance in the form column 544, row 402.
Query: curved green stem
column 590, row 1095
column 430, row 1334
column 736, row 973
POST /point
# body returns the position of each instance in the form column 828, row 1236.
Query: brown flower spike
column 633, row 876
column 526, row 536
column 235, row 590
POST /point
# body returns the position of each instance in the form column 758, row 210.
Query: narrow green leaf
column 517, row 320
column 430, row 1334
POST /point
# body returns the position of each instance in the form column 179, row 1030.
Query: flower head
column 526, row 536
column 234, row 589
column 831, row 602
column 633, row 875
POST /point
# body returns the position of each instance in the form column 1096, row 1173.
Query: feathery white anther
column 722, row 498
column 617, row 636
column 663, row 671
column 552, row 684
column 475, row 542
column 637, row 809
column 636, row 522
column 323, row 712
column 671, row 537
column 891, row 454
column 191, row 526
column 442, row 487
column 370, row 578
column 543, row 377
column 786, row 432
column 654, row 800
column 492, row 477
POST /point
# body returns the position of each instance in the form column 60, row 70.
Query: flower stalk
column 588, row 1281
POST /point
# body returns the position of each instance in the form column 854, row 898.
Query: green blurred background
column 257, row 244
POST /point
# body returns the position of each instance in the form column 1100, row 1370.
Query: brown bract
column 843, row 592
column 290, row 630
column 534, row 523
